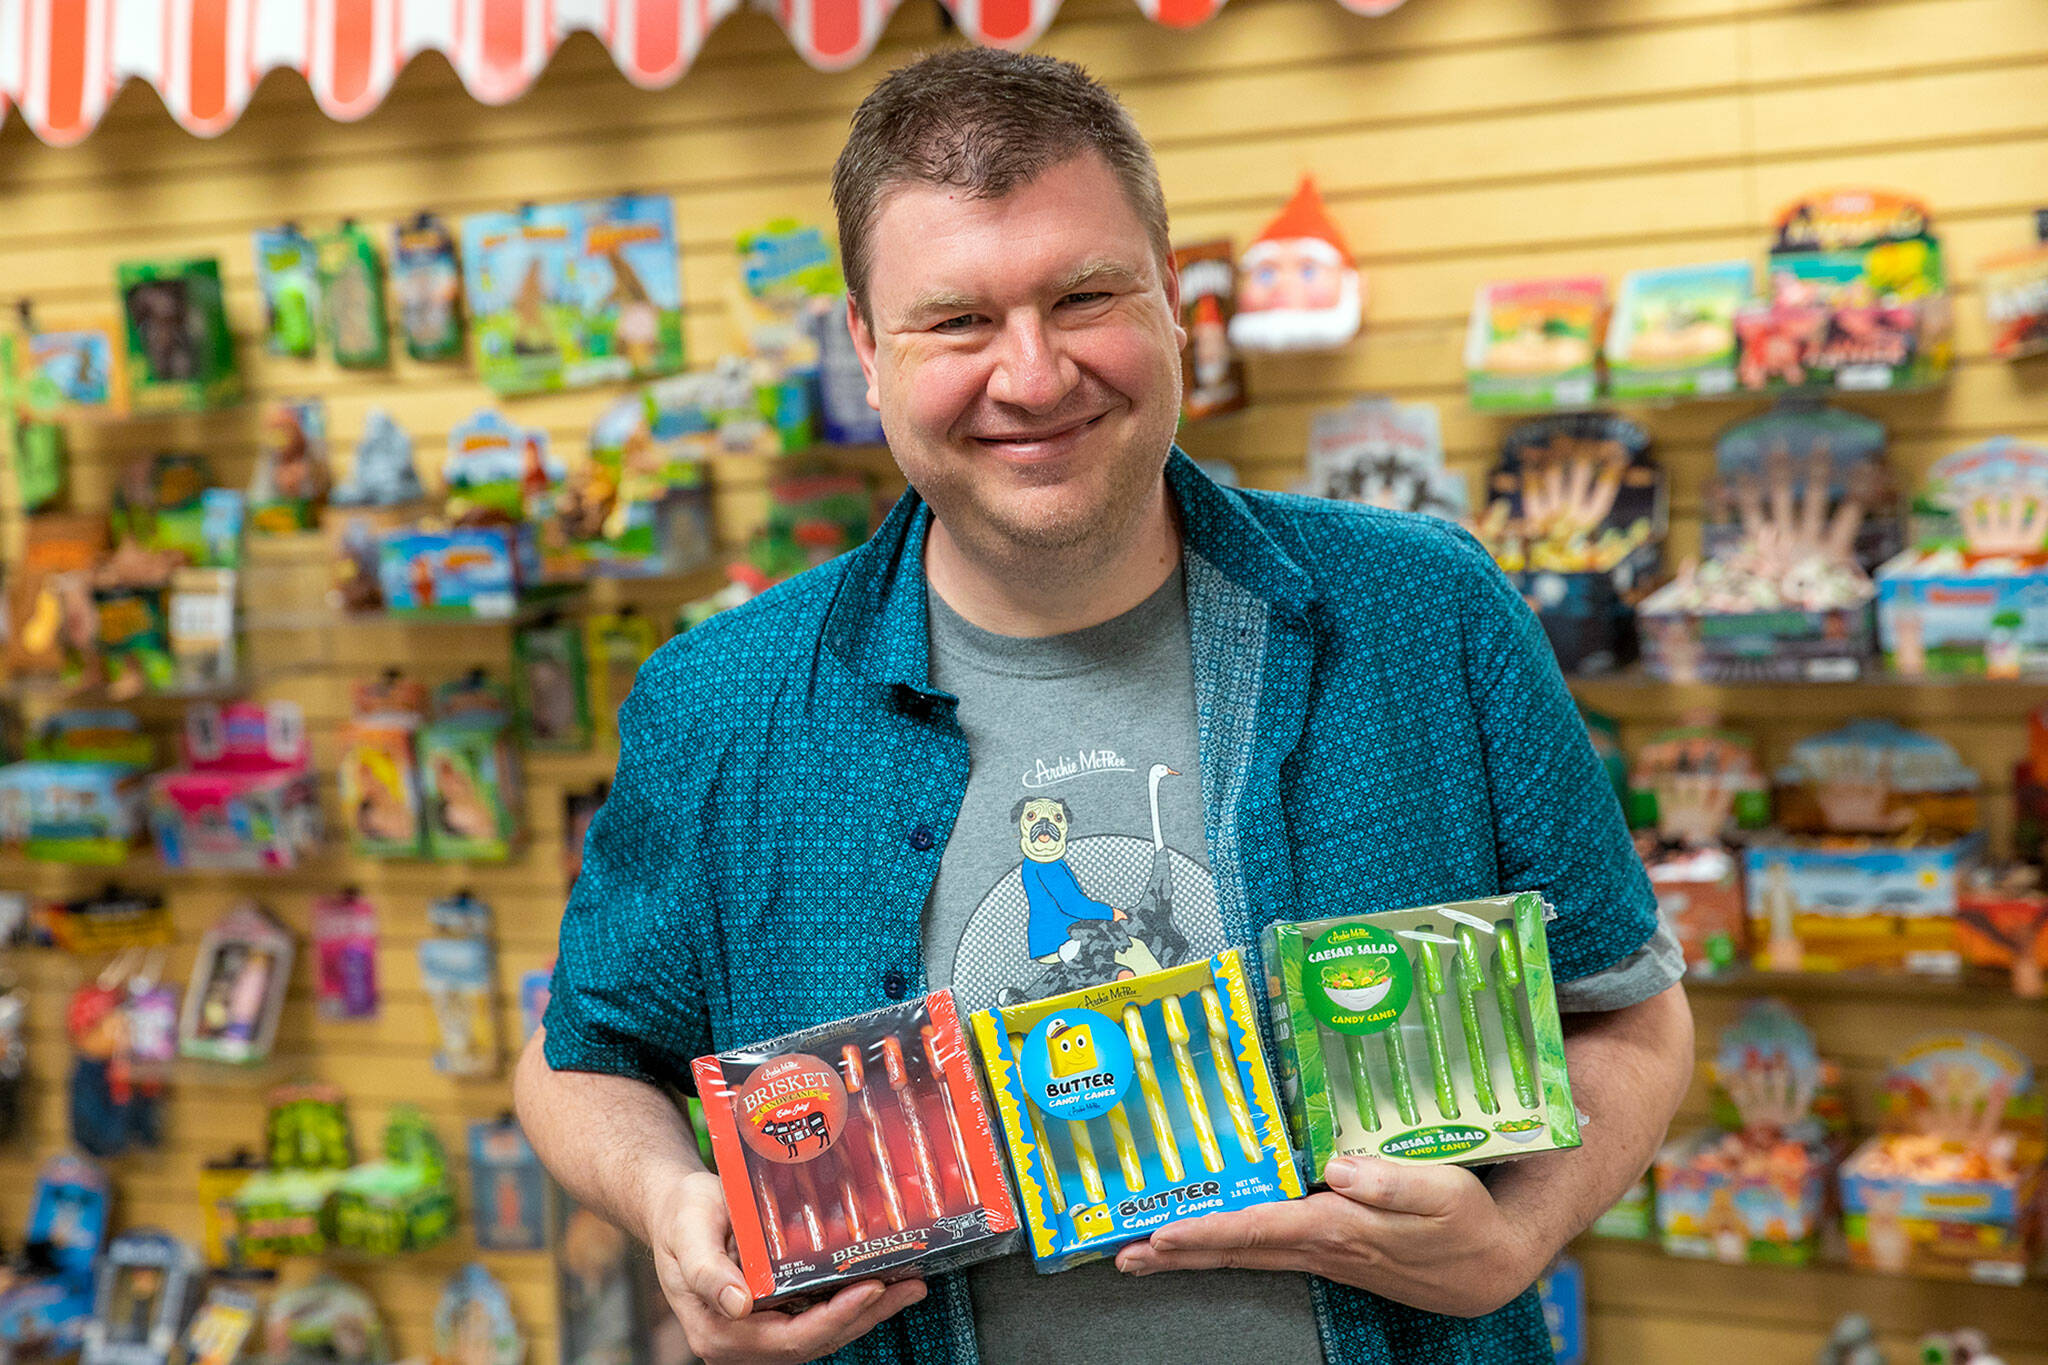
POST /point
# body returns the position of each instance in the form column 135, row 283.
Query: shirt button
column 894, row 984
column 921, row 838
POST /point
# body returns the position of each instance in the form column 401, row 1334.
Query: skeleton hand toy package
column 856, row 1150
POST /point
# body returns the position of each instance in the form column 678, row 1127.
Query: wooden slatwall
column 1458, row 141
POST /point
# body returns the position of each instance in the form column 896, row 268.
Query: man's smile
column 1030, row 446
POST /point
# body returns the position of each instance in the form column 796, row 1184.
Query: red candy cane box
column 856, row 1150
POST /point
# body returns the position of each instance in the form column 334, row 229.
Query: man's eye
column 1088, row 296
column 956, row 324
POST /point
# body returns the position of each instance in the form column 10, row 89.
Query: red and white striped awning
column 62, row 61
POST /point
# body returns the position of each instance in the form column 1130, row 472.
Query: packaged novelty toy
column 247, row 797
column 1212, row 374
column 401, row 1203
column 638, row 506
column 459, row 969
column 345, row 955
column 1382, row 989
column 50, row 621
column 288, row 275
column 1062, row 1070
column 509, row 1205
column 2016, row 302
column 281, row 1211
column 1673, row 333
column 380, row 794
column 180, row 352
column 551, row 677
column 220, row 1185
column 473, row 1325
column 1857, row 298
column 1694, row 790
column 352, row 295
column 1949, row 1185
column 428, row 286
column 239, row 979
column 1801, row 509
column 469, row 773
column 619, row 642
column 466, row 571
column 80, row 367
column 201, row 608
column 1298, row 286
column 1880, row 823
column 497, row 466
column 2002, row 922
column 327, row 1322
column 143, row 1291
column 1757, row 1192
column 383, row 474
column 222, row 1327
column 1576, row 515
column 45, row 1311
column 830, row 1182
column 1971, row 596
column 1535, row 343
column 1383, row 454
column 79, row 796
column 291, row 478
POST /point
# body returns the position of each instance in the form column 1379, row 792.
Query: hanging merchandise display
column 1212, row 373
column 1535, row 343
column 143, row 1293
column 638, row 506
column 459, row 969
column 1298, row 287
column 327, row 1322
column 352, row 298
column 1970, row 596
column 498, row 469
column 788, row 277
column 1382, row 989
column 222, row 1327
column 2015, row 288
column 551, row 679
column 1756, row 1191
column 469, row 773
column 345, row 955
column 379, row 777
column 237, row 991
column 79, row 795
column 569, row 295
column 290, row 483
column 75, row 368
column 29, row 400
column 427, row 283
column 1693, row 792
column 1800, row 511
column 109, row 920
column 381, row 472
column 45, row 1307
column 509, row 1188
column 473, row 1324
column 1062, row 1070
column 247, row 796
column 1858, row 299
column 1673, row 331
column 1878, row 823
column 181, row 353
column 52, row 629
column 220, row 1186
column 288, row 277
column 280, row 1211
column 1577, row 516
column 1948, row 1185
column 1383, row 454
column 401, row 1203
column 830, row 1179
column 112, row 1108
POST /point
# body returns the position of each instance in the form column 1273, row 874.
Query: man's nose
column 1031, row 371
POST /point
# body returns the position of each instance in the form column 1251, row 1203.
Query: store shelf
column 1829, row 1263
column 1634, row 693
column 1973, row 986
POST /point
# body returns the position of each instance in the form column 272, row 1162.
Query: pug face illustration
column 1042, row 823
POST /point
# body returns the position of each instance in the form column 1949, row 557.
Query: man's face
column 1024, row 354
column 1042, row 830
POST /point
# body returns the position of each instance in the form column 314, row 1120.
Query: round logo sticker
column 1077, row 1064
column 1356, row 978
column 792, row 1108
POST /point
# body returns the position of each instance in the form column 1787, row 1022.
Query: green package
column 551, row 678
column 1428, row 1035
column 181, row 356
column 352, row 292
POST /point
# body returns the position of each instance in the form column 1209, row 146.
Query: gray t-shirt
column 1085, row 782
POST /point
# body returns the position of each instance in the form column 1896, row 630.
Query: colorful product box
column 72, row 812
column 1535, row 343
column 829, row 1181
column 1837, row 906
column 1673, row 333
column 464, row 571
column 1785, row 644
column 1428, row 1035
column 1699, row 894
column 469, row 774
column 1951, row 1186
column 1205, row 1137
column 1936, row 623
column 247, row 797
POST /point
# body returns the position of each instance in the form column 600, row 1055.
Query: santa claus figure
column 1297, row 288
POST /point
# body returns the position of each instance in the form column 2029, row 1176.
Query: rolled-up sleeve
column 1558, row 826
column 628, row 992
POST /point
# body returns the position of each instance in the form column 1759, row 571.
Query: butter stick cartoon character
column 1072, row 1048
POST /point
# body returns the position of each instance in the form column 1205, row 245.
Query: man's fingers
column 1142, row 1259
column 1426, row 1191
column 1290, row 1228
column 816, row 1331
column 702, row 1224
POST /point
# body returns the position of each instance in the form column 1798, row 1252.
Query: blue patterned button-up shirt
column 1382, row 725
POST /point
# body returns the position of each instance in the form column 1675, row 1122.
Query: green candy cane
column 1507, row 990
column 1433, row 1021
column 1471, row 981
column 1361, row 1083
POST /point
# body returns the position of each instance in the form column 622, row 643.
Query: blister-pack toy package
column 857, row 1150
column 1428, row 1035
column 1165, row 1074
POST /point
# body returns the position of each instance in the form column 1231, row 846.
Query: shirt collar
column 877, row 623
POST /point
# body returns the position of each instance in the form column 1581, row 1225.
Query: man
column 1271, row 708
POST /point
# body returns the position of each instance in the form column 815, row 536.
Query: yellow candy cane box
column 1136, row 1104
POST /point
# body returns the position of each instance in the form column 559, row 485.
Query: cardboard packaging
column 860, row 1149
column 247, row 797
column 1427, row 1035
column 1203, row 1133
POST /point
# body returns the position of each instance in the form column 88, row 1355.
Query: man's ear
column 1172, row 269
column 864, row 347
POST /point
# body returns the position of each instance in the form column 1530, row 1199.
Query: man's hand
column 1427, row 1236
column 688, row 1232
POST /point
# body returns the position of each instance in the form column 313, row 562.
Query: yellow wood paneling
column 1458, row 141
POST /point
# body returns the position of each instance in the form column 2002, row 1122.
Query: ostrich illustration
column 1152, row 920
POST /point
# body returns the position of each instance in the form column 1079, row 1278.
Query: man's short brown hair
column 986, row 122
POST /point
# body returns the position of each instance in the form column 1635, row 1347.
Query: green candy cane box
column 1427, row 1035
